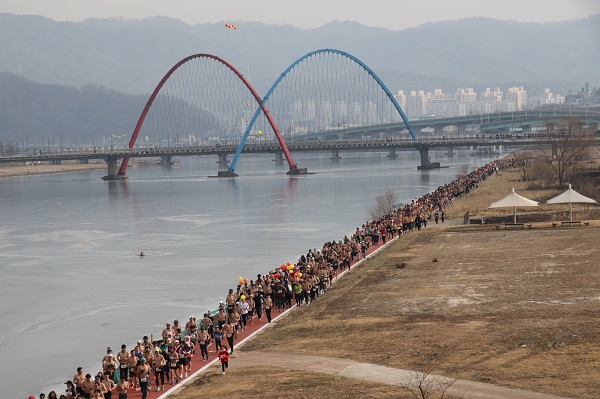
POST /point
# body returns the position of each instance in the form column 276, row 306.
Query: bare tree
column 385, row 204
column 524, row 160
column 8, row 148
column 463, row 171
column 570, row 145
column 430, row 386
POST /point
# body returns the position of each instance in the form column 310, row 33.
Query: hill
column 64, row 79
column 34, row 113
column 132, row 55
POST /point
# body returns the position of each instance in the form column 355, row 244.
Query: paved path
column 372, row 372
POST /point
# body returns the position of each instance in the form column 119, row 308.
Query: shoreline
column 7, row 172
column 12, row 171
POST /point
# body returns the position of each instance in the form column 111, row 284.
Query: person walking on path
column 224, row 358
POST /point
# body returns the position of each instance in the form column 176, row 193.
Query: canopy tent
column 571, row 197
column 513, row 200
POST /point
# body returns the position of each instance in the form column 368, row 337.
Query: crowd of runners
column 156, row 364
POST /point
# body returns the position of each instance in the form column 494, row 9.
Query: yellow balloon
column 243, row 297
column 240, row 278
column 260, row 132
column 299, row 274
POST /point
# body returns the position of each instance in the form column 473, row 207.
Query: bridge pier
column 55, row 162
column 278, row 158
column 84, row 161
column 554, row 150
column 222, row 158
column 392, row 154
column 450, row 152
column 335, row 154
column 297, row 171
column 425, row 160
column 113, row 170
column 166, row 159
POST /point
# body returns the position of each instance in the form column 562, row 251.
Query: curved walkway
column 385, row 375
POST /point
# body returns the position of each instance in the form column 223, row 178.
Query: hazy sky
column 393, row 14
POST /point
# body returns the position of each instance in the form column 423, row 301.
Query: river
column 72, row 280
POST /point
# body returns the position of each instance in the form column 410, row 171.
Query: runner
column 224, row 358
column 122, row 388
column 268, row 304
column 123, row 358
column 87, row 386
column 108, row 359
column 132, row 363
column 218, row 338
column 203, row 341
column 173, row 361
column 70, row 390
column 167, row 334
column 159, row 369
column 142, row 371
column 228, row 331
column 109, row 386
column 78, row 380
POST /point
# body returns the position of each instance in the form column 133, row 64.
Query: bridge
column 112, row 156
column 203, row 98
column 486, row 123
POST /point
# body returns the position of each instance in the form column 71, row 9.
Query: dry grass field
column 516, row 308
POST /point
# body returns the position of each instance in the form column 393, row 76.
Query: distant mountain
column 30, row 111
column 64, row 79
column 132, row 55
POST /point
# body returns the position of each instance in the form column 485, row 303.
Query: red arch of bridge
column 266, row 112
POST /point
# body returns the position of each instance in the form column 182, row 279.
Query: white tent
column 513, row 200
column 571, row 197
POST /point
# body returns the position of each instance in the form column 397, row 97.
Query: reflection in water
column 117, row 188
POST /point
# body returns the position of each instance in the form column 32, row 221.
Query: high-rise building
column 518, row 96
column 416, row 104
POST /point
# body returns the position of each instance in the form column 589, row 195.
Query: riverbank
column 7, row 171
column 510, row 308
column 42, row 169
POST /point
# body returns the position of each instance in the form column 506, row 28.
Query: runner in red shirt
column 224, row 358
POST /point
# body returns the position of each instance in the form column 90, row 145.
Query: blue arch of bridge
column 287, row 71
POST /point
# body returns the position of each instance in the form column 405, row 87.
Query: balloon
column 296, row 274
column 240, row 278
column 247, row 104
column 243, row 297
column 245, row 280
column 290, row 267
column 299, row 274
column 260, row 132
column 283, row 267
column 277, row 275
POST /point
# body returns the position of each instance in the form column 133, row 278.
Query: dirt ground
column 22, row 170
column 263, row 381
column 516, row 308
